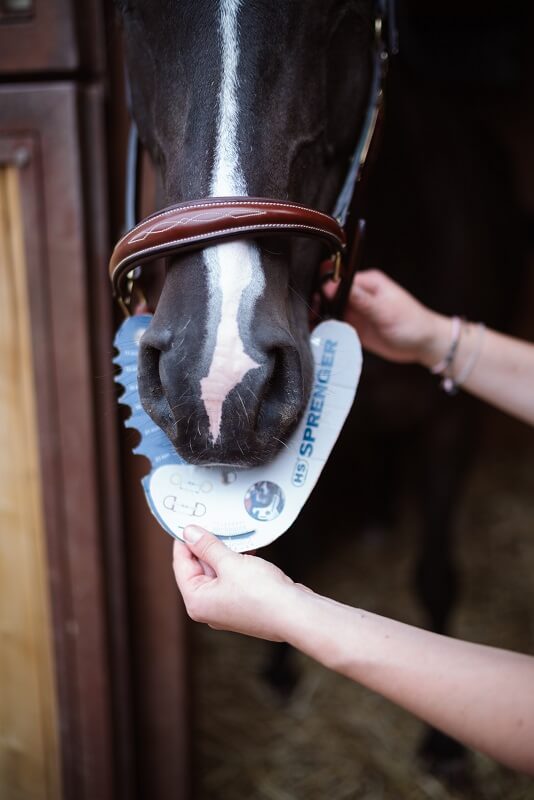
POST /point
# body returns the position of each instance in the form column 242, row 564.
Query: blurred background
column 107, row 691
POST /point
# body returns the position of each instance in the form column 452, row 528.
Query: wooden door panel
column 50, row 36
column 29, row 753
column 159, row 641
column 40, row 132
column 119, row 652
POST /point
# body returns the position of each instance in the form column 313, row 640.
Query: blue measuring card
column 246, row 508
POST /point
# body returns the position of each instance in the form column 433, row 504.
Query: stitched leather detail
column 185, row 219
column 190, row 226
column 250, row 202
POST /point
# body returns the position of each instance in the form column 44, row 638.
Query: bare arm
column 503, row 373
column 482, row 696
column 394, row 325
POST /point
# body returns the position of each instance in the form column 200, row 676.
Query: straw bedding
column 333, row 739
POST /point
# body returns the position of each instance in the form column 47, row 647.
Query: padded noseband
column 202, row 223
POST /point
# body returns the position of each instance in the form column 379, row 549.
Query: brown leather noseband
column 197, row 224
column 201, row 223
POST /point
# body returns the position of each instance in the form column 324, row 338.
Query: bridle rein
column 197, row 224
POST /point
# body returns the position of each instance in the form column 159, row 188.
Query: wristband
column 443, row 365
column 451, row 384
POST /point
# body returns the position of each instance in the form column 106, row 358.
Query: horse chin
column 243, row 452
column 229, row 461
column 242, row 442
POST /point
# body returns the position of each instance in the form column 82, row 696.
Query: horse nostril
column 260, row 414
column 283, row 392
column 157, row 337
column 148, row 369
column 279, row 369
column 151, row 392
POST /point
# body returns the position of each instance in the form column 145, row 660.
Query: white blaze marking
column 233, row 267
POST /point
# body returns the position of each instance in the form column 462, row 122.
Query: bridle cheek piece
column 197, row 224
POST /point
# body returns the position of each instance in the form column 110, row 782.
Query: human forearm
column 482, row 696
column 503, row 367
column 394, row 325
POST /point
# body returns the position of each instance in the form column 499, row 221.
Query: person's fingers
column 329, row 289
column 305, row 588
column 207, row 548
column 186, row 567
column 209, row 571
column 370, row 280
column 361, row 301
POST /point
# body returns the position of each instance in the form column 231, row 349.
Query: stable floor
column 334, row 740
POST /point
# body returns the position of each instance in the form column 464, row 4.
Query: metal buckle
column 336, row 261
column 378, row 30
column 125, row 298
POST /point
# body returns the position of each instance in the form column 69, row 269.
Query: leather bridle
column 196, row 224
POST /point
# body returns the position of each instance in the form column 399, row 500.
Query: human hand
column 391, row 323
column 231, row 591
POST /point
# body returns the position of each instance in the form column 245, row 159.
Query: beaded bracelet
column 451, row 384
column 446, row 362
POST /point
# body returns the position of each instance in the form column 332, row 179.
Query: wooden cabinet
column 50, row 36
column 44, row 154
column 29, row 753
column 94, row 702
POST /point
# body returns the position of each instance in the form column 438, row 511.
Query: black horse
column 268, row 99
column 230, row 99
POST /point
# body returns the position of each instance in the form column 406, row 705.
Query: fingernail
column 192, row 534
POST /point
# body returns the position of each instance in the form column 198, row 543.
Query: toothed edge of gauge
column 154, row 444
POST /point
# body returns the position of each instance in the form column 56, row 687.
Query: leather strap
column 201, row 223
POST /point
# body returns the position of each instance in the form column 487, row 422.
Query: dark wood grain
column 58, row 36
column 160, row 658
column 55, row 241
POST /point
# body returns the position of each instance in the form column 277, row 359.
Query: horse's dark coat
column 303, row 78
column 440, row 221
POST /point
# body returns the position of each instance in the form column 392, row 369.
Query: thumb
column 206, row 547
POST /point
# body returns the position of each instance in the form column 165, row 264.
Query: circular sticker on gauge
column 264, row 501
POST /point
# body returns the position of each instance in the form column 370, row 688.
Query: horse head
column 242, row 98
